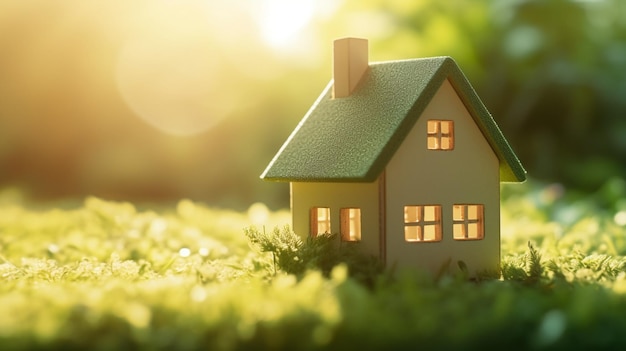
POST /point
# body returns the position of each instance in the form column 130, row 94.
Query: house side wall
column 469, row 174
column 304, row 196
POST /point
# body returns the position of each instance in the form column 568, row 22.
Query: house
column 402, row 159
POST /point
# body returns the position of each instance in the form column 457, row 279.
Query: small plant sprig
column 292, row 255
column 533, row 265
column 284, row 246
column 526, row 268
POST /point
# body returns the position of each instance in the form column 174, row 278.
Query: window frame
column 422, row 224
column 437, row 136
column 465, row 223
column 350, row 220
column 315, row 220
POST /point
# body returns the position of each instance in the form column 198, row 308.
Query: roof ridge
column 369, row 125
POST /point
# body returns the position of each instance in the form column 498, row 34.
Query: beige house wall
column 304, row 196
column 469, row 174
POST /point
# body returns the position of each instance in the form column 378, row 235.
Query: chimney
column 350, row 61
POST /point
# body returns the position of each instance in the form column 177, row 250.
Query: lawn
column 112, row 276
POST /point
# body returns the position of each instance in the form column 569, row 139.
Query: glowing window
column 350, row 224
column 422, row 223
column 468, row 222
column 440, row 134
column 320, row 221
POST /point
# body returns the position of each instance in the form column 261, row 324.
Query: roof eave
column 366, row 179
column 511, row 169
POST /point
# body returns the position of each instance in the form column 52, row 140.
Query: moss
column 107, row 276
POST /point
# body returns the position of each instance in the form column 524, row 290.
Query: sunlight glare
column 281, row 21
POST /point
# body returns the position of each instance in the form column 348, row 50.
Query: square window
column 350, row 224
column 422, row 223
column 468, row 222
column 440, row 134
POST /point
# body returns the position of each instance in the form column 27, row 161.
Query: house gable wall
column 469, row 174
column 305, row 195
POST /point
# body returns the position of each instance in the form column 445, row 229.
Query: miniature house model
column 401, row 158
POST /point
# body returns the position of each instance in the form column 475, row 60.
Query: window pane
column 350, row 224
column 472, row 231
column 411, row 214
column 458, row 212
column 431, row 233
column 472, row 212
column 323, row 214
column 429, row 213
column 446, row 127
column 323, row 227
column 355, row 230
column 412, row 233
column 446, row 143
column 458, row 230
column 433, row 143
column 433, row 127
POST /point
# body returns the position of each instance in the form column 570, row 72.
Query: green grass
column 106, row 276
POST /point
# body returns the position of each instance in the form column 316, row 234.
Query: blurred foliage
column 160, row 100
column 108, row 276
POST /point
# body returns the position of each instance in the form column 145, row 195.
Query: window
column 422, row 223
column 468, row 222
column 350, row 224
column 320, row 220
column 440, row 134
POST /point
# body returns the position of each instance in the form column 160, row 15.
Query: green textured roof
column 352, row 139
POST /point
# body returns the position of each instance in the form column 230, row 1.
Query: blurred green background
column 156, row 100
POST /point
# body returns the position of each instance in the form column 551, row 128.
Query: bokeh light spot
column 184, row 252
column 204, row 251
column 258, row 213
column 620, row 218
column 173, row 80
